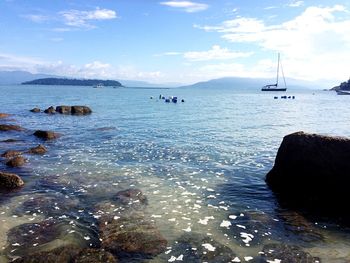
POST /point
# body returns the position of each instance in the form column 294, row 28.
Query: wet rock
column 35, row 110
column 46, row 135
column 10, row 154
column 10, row 181
column 198, row 248
column 17, row 161
column 64, row 109
column 299, row 225
column 131, row 197
column 4, row 115
column 131, row 235
column 81, row 110
column 286, row 253
column 11, row 141
column 65, row 254
column 10, row 127
column 50, row 110
column 40, row 149
column 312, row 172
column 28, row 238
column 95, row 256
column 49, row 205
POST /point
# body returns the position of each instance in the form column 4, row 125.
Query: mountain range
column 18, row 77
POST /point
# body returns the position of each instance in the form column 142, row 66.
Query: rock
column 64, row 254
column 50, row 110
column 198, row 248
column 131, row 235
column 40, row 149
column 81, row 110
column 4, row 115
column 95, row 256
column 132, row 196
column 46, row 135
column 10, row 181
column 312, row 171
column 10, row 154
column 64, row 109
column 11, row 141
column 286, row 253
column 17, row 161
column 35, row 110
column 10, row 127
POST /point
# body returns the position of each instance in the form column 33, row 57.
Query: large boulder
column 312, row 171
column 10, row 181
column 46, row 135
column 10, row 127
column 64, row 109
column 81, row 110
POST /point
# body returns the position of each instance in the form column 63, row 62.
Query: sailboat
column 275, row 87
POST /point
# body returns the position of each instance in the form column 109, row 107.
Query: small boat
column 343, row 92
column 99, row 85
column 275, row 87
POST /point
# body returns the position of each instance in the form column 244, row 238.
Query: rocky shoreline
column 122, row 228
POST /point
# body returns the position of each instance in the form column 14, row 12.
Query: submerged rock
column 10, row 127
column 50, row 110
column 10, row 154
column 64, row 109
column 286, row 253
column 81, row 110
column 312, row 171
column 35, row 110
column 46, row 135
column 65, row 254
column 198, row 248
column 11, row 141
column 40, row 149
column 95, row 256
column 10, row 181
column 131, row 197
column 4, row 115
column 131, row 235
column 17, row 161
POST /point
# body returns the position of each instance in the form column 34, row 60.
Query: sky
column 168, row 41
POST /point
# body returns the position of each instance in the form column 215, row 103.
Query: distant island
column 73, row 82
column 343, row 86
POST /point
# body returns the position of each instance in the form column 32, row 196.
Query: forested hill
column 73, row 82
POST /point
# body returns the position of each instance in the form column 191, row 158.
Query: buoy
column 163, row 98
column 174, row 100
column 275, row 98
column 182, row 100
column 151, row 98
column 293, row 97
column 167, row 100
column 160, row 96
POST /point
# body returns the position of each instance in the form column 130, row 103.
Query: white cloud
column 296, row 3
column 187, row 6
column 215, row 53
column 314, row 45
column 81, row 19
column 36, row 18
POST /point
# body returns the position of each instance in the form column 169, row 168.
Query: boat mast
column 278, row 68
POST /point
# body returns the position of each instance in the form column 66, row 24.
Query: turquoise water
column 206, row 157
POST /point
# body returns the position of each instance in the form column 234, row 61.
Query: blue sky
column 176, row 41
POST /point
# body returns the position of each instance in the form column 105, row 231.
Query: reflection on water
column 201, row 165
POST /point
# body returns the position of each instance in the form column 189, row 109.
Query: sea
column 201, row 164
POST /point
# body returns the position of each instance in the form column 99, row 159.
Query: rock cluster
column 69, row 110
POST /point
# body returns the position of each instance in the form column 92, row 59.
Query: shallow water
column 201, row 164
